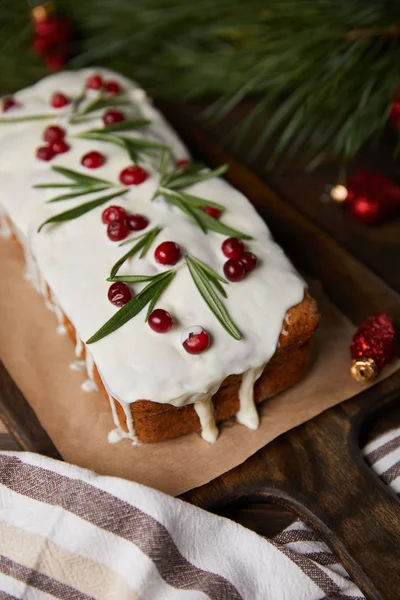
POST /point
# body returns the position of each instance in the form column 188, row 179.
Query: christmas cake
column 182, row 308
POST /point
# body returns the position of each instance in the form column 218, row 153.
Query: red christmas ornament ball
column 371, row 196
column 372, row 347
column 395, row 114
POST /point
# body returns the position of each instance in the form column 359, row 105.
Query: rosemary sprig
column 205, row 283
column 80, row 184
column 97, row 104
column 80, row 210
column 78, row 192
column 148, row 294
column 26, row 118
column 135, row 147
column 143, row 243
column 120, row 126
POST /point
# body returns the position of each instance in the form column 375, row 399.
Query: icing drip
column 61, row 329
column 78, row 346
column 89, row 385
column 116, row 435
column 77, row 365
column 205, row 411
column 129, row 421
column 5, row 229
column 248, row 414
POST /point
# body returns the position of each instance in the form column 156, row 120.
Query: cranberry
column 113, row 116
column 119, row 293
column 233, row 247
column 94, row 82
column 167, row 253
column 133, row 175
column 58, row 100
column 182, row 162
column 112, row 87
column 249, row 261
column 117, row 230
column 59, row 147
column 113, row 213
column 160, row 321
column 137, row 222
column 195, row 340
column 8, row 103
column 53, row 133
column 212, row 211
column 45, row 153
column 93, row 160
column 234, row 270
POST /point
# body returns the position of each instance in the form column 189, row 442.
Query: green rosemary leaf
column 189, row 199
column 98, row 104
column 135, row 278
column 81, row 178
column 219, row 227
column 164, row 283
column 100, row 136
column 186, row 208
column 133, row 307
column 133, row 239
column 210, row 297
column 148, row 240
column 79, row 192
column 44, row 186
column 184, row 180
column 143, row 244
column 80, row 210
column 165, row 156
column 27, row 118
column 208, row 270
column 121, row 126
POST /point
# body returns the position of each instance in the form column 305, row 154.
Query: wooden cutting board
column 316, row 470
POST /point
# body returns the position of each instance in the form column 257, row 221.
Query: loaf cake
column 182, row 309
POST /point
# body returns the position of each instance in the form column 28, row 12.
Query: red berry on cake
column 45, row 153
column 233, row 247
column 182, row 162
column 118, row 230
column 58, row 100
column 119, row 293
column 8, row 103
column 137, row 222
column 234, row 270
column 53, row 133
column 133, row 175
column 160, row 321
column 195, row 340
column 249, row 261
column 212, row 211
column 167, row 253
column 60, row 146
column 113, row 213
column 112, row 87
column 113, row 116
column 94, row 82
column 93, row 160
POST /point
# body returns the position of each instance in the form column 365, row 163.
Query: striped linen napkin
column 69, row 533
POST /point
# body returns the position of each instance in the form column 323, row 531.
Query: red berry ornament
column 60, row 146
column 113, row 213
column 133, row 175
column 233, row 247
column 249, row 261
column 395, row 114
column 94, row 82
column 371, row 196
column 137, row 222
column 112, row 87
column 119, row 293
column 212, row 211
column 195, row 340
column 182, row 162
column 234, row 270
column 45, row 153
column 93, row 160
column 58, row 100
column 167, row 253
column 372, row 347
column 53, row 133
column 8, row 103
column 117, row 230
column 160, row 321
column 113, row 116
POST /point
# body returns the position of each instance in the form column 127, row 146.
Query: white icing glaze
column 129, row 422
column 75, row 258
column 78, row 346
column 205, row 411
column 248, row 414
column 77, row 365
column 116, row 435
column 89, row 386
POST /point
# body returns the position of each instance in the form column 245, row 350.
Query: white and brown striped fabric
column 71, row 534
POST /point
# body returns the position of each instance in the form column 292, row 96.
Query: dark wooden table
column 377, row 248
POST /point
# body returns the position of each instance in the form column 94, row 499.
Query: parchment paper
column 78, row 422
